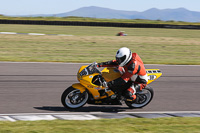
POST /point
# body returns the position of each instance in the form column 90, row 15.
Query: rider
column 133, row 72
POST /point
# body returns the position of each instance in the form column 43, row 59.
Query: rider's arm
column 131, row 70
column 112, row 63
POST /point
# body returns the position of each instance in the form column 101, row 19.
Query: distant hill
column 179, row 14
column 99, row 12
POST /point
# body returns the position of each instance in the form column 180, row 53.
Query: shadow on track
column 84, row 109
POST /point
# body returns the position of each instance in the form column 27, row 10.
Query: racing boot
column 130, row 94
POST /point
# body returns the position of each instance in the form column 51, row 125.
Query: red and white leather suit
column 133, row 71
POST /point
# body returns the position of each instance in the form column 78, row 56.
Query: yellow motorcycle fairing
column 153, row 74
column 79, row 87
column 108, row 74
column 86, row 82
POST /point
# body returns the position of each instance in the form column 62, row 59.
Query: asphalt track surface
column 37, row 88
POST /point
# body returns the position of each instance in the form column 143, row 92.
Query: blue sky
column 28, row 7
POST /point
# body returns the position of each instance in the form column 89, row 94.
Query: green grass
column 126, row 125
column 155, row 46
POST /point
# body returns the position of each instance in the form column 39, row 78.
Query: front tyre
column 143, row 98
column 72, row 98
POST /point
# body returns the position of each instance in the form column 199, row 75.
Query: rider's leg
column 130, row 94
column 141, row 82
column 138, row 85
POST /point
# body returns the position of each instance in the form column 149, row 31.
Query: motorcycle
column 91, row 88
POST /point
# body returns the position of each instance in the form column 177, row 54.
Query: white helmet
column 123, row 56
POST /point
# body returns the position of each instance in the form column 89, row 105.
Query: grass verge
column 141, row 125
column 155, row 46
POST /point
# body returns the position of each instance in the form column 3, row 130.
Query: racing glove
column 99, row 64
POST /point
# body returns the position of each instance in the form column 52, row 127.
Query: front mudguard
column 79, row 86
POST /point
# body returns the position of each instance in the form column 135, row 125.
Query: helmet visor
column 120, row 59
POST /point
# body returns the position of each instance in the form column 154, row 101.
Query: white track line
column 91, row 115
column 34, row 34
column 11, row 33
column 9, row 118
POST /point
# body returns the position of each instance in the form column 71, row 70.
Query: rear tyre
column 72, row 98
column 143, row 98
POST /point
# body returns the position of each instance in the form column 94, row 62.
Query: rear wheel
column 72, row 98
column 143, row 98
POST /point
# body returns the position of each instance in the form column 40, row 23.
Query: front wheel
column 72, row 98
column 143, row 98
